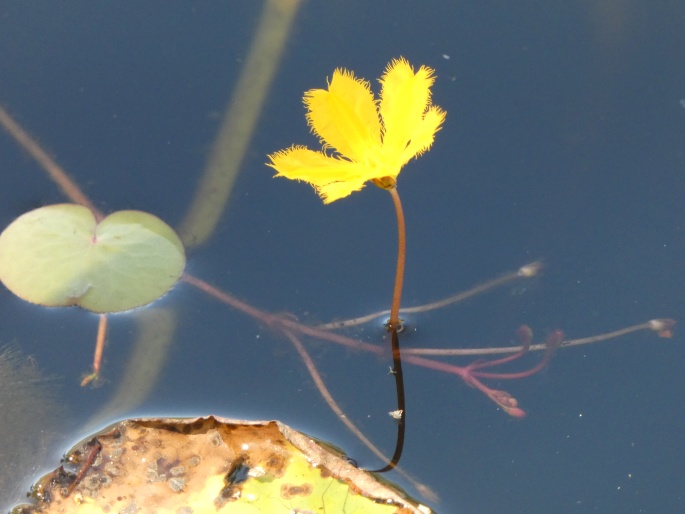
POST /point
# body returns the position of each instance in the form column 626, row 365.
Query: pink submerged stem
column 469, row 374
column 551, row 344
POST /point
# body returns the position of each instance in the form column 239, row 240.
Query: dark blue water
column 563, row 142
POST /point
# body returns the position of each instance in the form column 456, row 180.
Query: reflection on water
column 28, row 417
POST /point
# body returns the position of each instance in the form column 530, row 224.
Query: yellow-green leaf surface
column 211, row 465
column 60, row 255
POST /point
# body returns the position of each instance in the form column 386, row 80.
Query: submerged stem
column 55, row 172
column 401, row 406
column 528, row 271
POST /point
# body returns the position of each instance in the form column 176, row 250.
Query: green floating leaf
column 60, row 255
column 211, row 465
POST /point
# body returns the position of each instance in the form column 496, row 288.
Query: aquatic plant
column 472, row 374
column 370, row 141
column 373, row 140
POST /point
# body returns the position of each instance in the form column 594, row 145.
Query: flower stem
column 394, row 321
column 393, row 327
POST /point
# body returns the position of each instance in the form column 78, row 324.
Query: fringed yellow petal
column 405, row 97
column 332, row 177
column 337, row 190
column 424, row 134
column 317, row 168
column 344, row 116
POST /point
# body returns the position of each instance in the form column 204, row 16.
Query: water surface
column 563, row 142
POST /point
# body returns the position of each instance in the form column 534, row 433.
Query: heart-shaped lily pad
column 60, row 255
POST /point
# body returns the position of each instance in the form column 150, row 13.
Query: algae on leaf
column 212, row 465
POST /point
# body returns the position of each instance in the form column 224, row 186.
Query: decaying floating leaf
column 60, row 255
column 211, row 465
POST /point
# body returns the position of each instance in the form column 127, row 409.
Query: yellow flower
column 371, row 139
